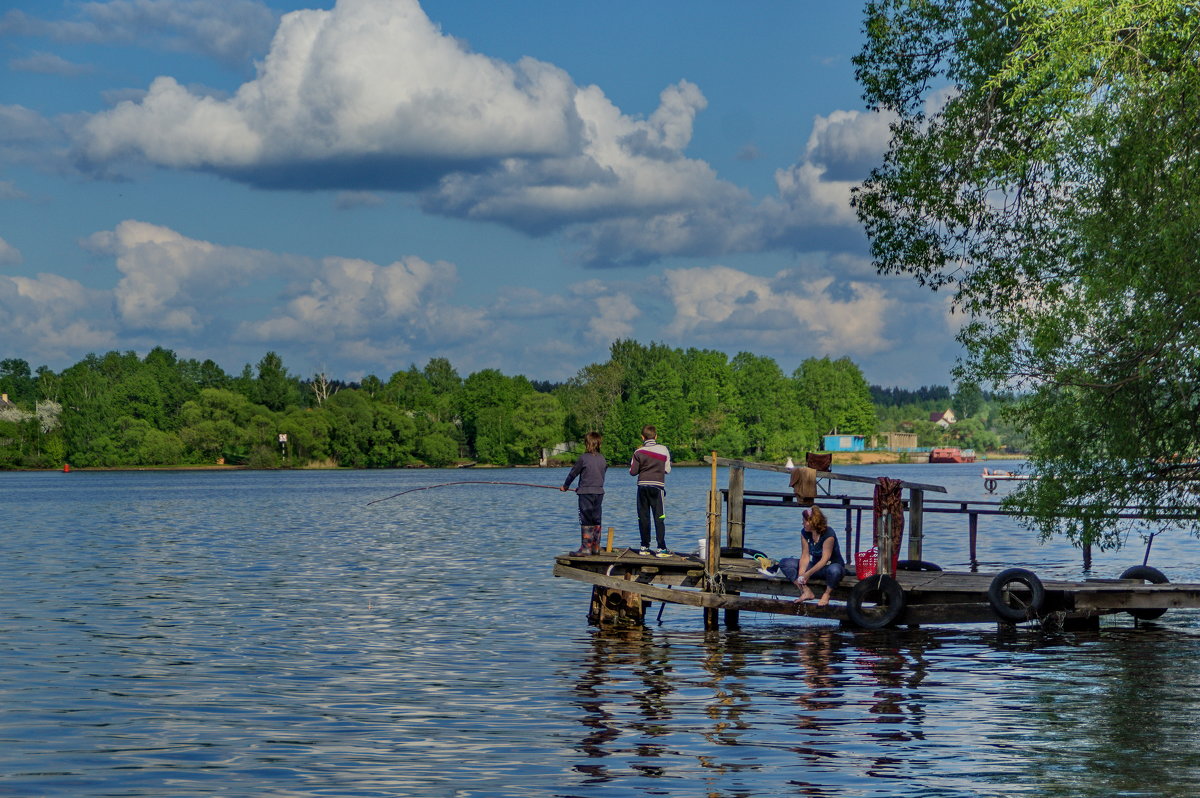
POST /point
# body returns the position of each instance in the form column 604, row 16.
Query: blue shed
column 845, row 443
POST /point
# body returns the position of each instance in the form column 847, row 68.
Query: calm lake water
column 272, row 634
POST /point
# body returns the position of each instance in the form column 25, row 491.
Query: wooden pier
column 625, row 583
column 929, row 597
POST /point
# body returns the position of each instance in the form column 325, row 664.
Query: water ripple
column 181, row 634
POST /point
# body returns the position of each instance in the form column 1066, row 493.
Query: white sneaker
column 645, row 552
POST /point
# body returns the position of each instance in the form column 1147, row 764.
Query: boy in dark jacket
column 590, row 468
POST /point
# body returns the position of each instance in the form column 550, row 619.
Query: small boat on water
column 951, row 454
column 993, row 476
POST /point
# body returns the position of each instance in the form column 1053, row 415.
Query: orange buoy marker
column 66, row 468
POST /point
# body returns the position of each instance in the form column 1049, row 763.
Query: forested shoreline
column 121, row 410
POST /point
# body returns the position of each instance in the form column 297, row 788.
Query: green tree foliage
column 490, row 403
column 15, row 430
column 712, row 402
column 224, row 424
column 894, row 397
column 968, row 399
column 1044, row 168
column 766, row 401
column 368, row 434
column 308, row 434
column 539, row 424
column 122, row 410
column 274, row 388
column 17, row 381
column 137, row 442
column 591, row 396
column 447, row 389
column 836, row 396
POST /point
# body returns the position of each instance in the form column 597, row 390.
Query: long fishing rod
column 466, row 482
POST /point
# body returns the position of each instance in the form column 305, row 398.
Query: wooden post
column 849, row 552
column 916, row 527
column 973, row 534
column 608, row 548
column 1087, row 556
column 857, row 531
column 735, row 522
column 712, row 557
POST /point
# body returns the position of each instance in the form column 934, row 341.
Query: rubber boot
column 594, row 543
column 585, row 546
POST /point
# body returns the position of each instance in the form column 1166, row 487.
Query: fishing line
column 466, row 482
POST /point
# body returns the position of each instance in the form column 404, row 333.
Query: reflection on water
column 180, row 634
column 823, row 712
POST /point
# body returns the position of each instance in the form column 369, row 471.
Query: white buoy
column 789, row 465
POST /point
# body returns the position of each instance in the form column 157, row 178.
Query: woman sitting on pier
column 821, row 558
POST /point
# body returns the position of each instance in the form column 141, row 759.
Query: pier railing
column 736, row 499
column 736, row 502
column 854, row 506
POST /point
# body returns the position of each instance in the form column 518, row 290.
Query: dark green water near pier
column 270, row 634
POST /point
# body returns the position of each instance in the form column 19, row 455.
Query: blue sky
column 367, row 184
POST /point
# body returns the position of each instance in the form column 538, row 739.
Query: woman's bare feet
column 806, row 595
column 824, row 602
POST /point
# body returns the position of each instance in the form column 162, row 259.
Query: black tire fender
column 917, row 565
column 989, row 485
column 999, row 597
column 1154, row 577
column 886, row 596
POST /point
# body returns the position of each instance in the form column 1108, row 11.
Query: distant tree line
column 119, row 409
column 982, row 423
column 899, row 397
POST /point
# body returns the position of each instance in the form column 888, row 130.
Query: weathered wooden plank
column 917, row 613
column 696, row 598
column 1138, row 596
column 927, row 589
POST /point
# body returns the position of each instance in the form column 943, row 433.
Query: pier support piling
column 916, row 526
column 973, row 535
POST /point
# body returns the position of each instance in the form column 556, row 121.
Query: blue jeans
column 831, row 574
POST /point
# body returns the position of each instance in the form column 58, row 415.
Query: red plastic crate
column 866, row 563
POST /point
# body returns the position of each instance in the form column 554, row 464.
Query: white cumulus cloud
column 368, row 82
column 168, row 280
column 48, row 64
column 350, row 298
column 9, row 255
column 818, row 314
column 230, row 31
column 50, row 316
column 373, row 96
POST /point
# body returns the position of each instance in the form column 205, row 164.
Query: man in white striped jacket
column 650, row 464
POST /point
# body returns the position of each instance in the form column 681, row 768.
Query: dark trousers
column 589, row 508
column 650, row 505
